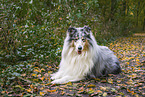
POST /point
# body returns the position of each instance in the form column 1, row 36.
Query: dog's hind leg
column 117, row 68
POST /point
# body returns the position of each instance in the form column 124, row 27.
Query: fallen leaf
column 51, row 90
column 42, row 93
column 104, row 88
column 110, row 81
column 42, row 78
column 103, row 81
column 29, row 90
column 120, row 93
column 91, row 86
column 69, row 83
column 36, row 70
column 33, row 74
column 99, row 91
column 104, row 94
column 90, row 91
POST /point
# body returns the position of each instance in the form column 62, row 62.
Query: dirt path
column 131, row 82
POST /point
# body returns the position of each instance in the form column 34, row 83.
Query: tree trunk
column 113, row 9
column 144, row 21
column 137, row 13
column 124, row 7
column 104, row 15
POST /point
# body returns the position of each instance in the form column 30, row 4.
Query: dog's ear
column 71, row 30
column 88, row 29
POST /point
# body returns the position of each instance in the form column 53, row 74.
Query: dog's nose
column 80, row 48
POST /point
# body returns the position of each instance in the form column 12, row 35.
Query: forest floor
column 130, row 82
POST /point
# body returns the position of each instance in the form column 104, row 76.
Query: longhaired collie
column 83, row 58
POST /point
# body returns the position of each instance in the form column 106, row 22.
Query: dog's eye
column 75, row 39
column 83, row 40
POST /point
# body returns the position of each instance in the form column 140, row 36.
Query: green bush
column 36, row 29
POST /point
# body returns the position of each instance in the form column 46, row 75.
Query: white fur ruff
column 74, row 67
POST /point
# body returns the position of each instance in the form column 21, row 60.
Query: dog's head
column 79, row 38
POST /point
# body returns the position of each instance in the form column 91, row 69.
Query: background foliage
column 33, row 27
column 33, row 31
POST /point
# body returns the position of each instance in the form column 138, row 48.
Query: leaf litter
column 130, row 82
column 131, row 53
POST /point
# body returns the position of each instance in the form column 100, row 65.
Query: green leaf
column 19, row 86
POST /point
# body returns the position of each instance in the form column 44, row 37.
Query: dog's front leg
column 65, row 79
column 56, row 75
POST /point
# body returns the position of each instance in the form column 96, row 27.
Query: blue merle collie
column 83, row 58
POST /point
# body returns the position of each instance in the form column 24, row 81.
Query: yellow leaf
column 51, row 90
column 42, row 27
column 69, row 83
column 31, row 86
column 41, row 93
column 42, row 78
column 29, row 90
column 110, row 81
column 90, row 91
column 137, row 60
column 42, row 69
column 36, row 70
column 97, row 79
column 118, row 81
column 62, row 93
column 39, row 75
column 105, row 94
column 58, row 7
column 47, row 84
column 80, row 91
column 120, row 93
column 84, row 2
column 132, row 92
column 35, row 80
column 35, row 63
column 127, row 63
column 104, row 88
column 23, row 74
column 123, row 70
column 136, row 95
column 33, row 74
column 41, row 88
column 3, row 92
column 131, row 58
column 91, row 86
column 98, row 91
column 134, row 75
column 103, row 81
column 49, row 72
column 131, row 13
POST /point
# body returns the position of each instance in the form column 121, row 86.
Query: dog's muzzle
column 79, row 49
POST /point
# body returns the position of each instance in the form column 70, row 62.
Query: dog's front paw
column 59, row 81
column 53, row 78
column 56, row 82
